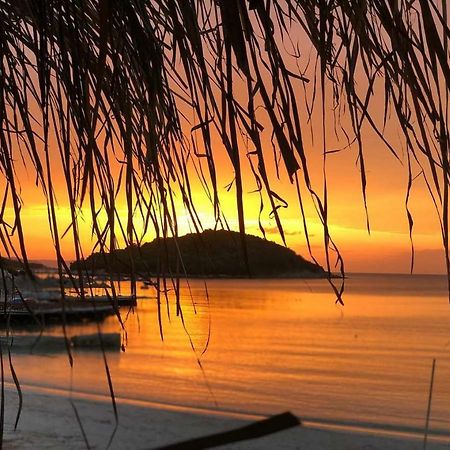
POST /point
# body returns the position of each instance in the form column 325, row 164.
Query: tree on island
column 208, row 254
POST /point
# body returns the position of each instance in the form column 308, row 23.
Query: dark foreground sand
column 48, row 422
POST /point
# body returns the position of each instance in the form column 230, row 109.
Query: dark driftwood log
column 255, row 430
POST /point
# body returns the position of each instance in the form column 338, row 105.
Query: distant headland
column 210, row 254
column 14, row 265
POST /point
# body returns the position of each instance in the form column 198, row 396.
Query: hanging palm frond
column 125, row 99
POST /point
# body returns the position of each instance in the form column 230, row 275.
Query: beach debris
column 255, row 430
column 430, row 397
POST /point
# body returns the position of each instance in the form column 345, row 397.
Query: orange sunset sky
column 386, row 249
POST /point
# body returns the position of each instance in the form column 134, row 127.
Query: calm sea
column 267, row 346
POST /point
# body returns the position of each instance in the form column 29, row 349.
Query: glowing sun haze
column 387, row 248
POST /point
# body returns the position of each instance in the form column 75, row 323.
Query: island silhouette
column 212, row 253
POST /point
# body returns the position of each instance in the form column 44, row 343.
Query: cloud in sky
column 287, row 231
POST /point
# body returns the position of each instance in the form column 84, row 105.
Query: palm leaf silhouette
column 128, row 100
column 104, row 87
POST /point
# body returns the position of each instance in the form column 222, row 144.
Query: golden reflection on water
column 276, row 345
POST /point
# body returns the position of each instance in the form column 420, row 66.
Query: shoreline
column 48, row 421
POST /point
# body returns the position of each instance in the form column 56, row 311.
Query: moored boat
column 32, row 309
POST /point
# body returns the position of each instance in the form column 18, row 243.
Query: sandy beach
column 48, row 422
